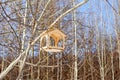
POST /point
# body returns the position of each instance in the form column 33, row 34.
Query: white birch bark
column 98, row 51
column 119, row 7
column 112, row 67
column 23, row 43
column 75, row 33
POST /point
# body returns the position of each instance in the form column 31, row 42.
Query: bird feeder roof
column 54, row 32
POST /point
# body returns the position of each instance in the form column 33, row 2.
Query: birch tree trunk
column 23, row 43
column 112, row 67
column 119, row 7
column 98, row 52
column 32, row 61
column 75, row 27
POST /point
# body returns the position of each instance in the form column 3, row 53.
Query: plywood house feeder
column 52, row 40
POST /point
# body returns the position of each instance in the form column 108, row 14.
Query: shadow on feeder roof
column 52, row 40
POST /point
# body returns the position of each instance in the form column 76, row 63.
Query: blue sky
column 103, row 11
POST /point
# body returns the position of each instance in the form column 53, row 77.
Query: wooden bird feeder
column 52, row 40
